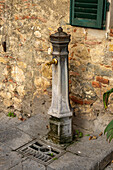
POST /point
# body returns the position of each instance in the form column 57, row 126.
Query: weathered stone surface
column 98, row 105
column 41, row 83
column 84, row 123
column 94, row 149
column 8, row 122
column 72, row 162
column 17, row 74
column 7, row 102
column 109, row 167
column 29, row 165
column 8, row 158
column 96, row 84
column 42, row 103
column 36, row 126
column 99, row 70
column 14, row 138
column 82, row 52
column 6, row 95
column 102, row 120
column 46, row 71
column 2, row 60
column 20, row 90
column 37, row 34
column 102, row 80
column 17, row 167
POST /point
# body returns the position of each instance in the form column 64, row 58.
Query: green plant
column 109, row 128
column 51, row 154
column 55, row 159
column 11, row 114
column 78, row 134
column 106, row 97
column 109, row 131
column 87, row 135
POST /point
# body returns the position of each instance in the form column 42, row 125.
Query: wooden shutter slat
column 88, row 1
column 85, row 15
column 86, row 5
column 87, row 10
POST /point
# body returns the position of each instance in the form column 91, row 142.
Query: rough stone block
column 8, row 158
column 102, row 80
column 72, row 162
column 99, row 150
column 36, row 126
column 8, row 122
column 14, row 138
column 96, row 84
column 29, row 165
column 60, row 130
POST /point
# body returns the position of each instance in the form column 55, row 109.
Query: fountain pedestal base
column 60, row 130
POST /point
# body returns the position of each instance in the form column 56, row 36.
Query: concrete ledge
column 85, row 155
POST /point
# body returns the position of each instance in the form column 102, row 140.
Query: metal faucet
column 53, row 61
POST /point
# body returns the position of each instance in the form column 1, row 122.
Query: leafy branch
column 109, row 129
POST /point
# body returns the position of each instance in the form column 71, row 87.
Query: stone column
column 61, row 115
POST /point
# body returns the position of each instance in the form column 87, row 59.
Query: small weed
column 87, row 135
column 55, row 159
column 11, row 114
column 78, row 134
column 51, row 154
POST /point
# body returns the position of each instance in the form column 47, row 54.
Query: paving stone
column 98, row 150
column 109, row 167
column 36, row 126
column 6, row 122
column 8, row 158
column 1, row 113
column 14, row 138
column 70, row 161
column 17, row 167
column 28, row 165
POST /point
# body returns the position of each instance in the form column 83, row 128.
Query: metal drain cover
column 40, row 151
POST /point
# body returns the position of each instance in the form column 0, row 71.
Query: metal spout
column 53, row 61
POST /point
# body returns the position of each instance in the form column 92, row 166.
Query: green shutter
column 87, row 13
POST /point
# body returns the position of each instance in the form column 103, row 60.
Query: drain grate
column 40, row 151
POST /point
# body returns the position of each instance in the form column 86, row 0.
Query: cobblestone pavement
column 84, row 154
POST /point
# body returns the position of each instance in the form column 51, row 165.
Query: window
column 88, row 13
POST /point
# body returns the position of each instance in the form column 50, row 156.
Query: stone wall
column 25, row 81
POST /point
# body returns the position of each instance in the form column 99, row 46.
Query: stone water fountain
column 61, row 115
